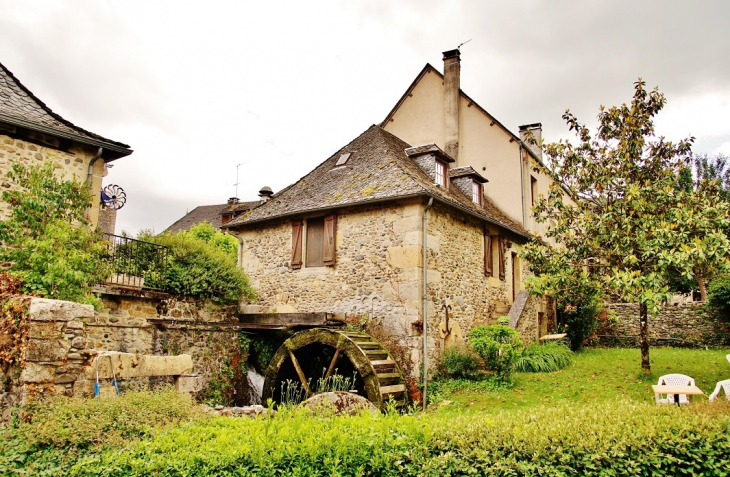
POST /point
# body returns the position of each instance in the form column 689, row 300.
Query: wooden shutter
column 488, row 261
column 296, row 244
column 329, row 249
column 502, row 247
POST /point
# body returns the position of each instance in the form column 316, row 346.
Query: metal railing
column 136, row 263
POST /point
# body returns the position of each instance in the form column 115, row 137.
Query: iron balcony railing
column 136, row 263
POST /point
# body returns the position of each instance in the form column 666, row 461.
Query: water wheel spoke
column 332, row 365
column 298, row 368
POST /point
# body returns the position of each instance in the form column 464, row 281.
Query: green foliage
column 45, row 239
column 203, row 265
column 616, row 438
column 719, row 296
column 544, row 358
column 49, row 435
column 499, row 346
column 293, row 392
column 579, row 313
column 503, row 320
column 459, row 362
column 618, row 216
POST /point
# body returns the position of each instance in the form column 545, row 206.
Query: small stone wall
column 687, row 324
column 65, row 338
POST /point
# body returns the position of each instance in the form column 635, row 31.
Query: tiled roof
column 463, row 171
column 20, row 107
column 208, row 213
column 377, row 170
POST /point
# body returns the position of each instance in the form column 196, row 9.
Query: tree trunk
column 703, row 288
column 644, row 338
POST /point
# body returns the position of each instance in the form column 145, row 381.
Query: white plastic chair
column 724, row 385
column 674, row 380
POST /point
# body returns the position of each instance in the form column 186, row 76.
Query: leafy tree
column 617, row 216
column 46, row 242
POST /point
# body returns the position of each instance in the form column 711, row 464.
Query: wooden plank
column 332, row 364
column 222, row 324
column 286, row 319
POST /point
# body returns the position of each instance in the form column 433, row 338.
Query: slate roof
column 463, row 171
column 208, row 213
column 377, row 170
column 20, row 107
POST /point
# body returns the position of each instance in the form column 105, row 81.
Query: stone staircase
column 515, row 313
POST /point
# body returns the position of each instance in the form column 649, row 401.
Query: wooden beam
column 332, row 364
column 302, row 378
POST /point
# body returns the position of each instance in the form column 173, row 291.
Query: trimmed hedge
column 616, row 439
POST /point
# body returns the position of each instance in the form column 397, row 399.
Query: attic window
column 476, row 192
column 343, row 159
column 440, row 174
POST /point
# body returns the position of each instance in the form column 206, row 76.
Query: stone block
column 48, row 350
column 189, row 383
column 405, row 256
column 43, row 309
column 408, row 224
column 37, row 373
column 46, row 330
column 129, row 365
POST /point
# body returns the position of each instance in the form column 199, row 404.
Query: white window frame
column 439, row 173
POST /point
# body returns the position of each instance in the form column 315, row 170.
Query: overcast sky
column 196, row 88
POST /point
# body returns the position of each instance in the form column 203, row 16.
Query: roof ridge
column 54, row 115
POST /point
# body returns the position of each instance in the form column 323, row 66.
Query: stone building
column 216, row 215
column 31, row 133
column 351, row 236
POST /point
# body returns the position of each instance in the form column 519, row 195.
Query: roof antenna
column 467, row 41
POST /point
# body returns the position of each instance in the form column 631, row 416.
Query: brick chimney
column 530, row 133
column 452, row 83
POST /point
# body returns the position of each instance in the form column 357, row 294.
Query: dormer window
column 439, row 173
column 476, row 192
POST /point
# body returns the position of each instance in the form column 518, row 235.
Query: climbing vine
column 14, row 326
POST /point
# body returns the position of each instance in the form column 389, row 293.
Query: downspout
column 522, row 179
column 425, row 301
column 90, row 179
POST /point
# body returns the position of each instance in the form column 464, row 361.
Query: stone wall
column 377, row 279
column 71, row 162
column 66, row 337
column 687, row 324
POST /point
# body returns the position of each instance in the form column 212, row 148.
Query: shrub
column 618, row 438
column 459, row 362
column 544, row 358
column 203, row 265
column 499, row 346
column 46, row 240
column 580, row 316
column 718, row 296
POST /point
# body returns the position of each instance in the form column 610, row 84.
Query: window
column 342, row 160
column 320, row 244
column 476, row 192
column 225, row 218
column 440, row 174
column 533, row 189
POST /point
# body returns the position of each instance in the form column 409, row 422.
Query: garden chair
column 674, row 380
column 724, row 385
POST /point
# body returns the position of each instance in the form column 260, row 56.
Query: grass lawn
column 596, row 375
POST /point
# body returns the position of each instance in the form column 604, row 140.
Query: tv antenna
column 467, row 41
column 236, row 184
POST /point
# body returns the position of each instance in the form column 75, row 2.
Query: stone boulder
column 340, row 403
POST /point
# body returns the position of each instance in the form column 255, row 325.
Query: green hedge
column 615, row 439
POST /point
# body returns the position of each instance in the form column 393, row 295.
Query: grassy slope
column 600, row 375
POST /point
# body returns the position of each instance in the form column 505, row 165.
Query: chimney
column 265, row 193
column 531, row 135
column 233, row 201
column 452, row 83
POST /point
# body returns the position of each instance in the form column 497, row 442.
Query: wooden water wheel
column 320, row 353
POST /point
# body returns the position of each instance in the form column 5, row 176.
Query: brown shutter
column 296, row 244
column 488, row 261
column 330, row 230
column 501, row 258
